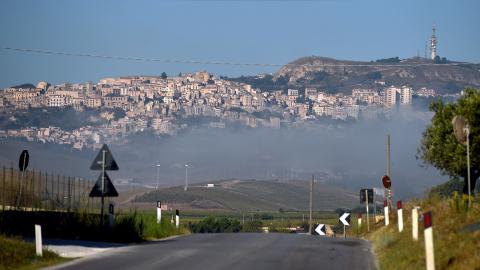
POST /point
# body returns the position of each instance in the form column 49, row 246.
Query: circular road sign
column 23, row 160
column 387, row 183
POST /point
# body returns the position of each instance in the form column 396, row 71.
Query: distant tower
column 433, row 44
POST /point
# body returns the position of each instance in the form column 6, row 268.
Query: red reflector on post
column 399, row 205
column 159, row 204
column 385, row 204
column 427, row 219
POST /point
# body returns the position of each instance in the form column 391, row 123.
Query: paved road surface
column 235, row 251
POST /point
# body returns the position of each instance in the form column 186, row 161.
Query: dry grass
column 456, row 247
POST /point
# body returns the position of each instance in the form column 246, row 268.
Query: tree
column 164, row 75
column 439, row 146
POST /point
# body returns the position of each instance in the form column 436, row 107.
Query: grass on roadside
column 456, row 234
column 152, row 230
column 18, row 254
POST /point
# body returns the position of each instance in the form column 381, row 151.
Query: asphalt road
column 235, row 251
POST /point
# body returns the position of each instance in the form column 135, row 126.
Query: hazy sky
column 239, row 31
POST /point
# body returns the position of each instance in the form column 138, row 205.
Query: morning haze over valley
column 239, row 118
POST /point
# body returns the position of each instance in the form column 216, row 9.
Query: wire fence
column 40, row 191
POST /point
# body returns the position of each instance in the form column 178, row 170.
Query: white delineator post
column 159, row 212
column 385, row 212
column 38, row 240
column 359, row 222
column 415, row 223
column 428, row 234
column 400, row 216
column 177, row 218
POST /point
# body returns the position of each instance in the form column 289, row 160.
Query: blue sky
column 238, row 31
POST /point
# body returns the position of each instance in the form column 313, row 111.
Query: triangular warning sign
column 109, row 190
column 110, row 163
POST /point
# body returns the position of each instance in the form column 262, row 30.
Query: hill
column 332, row 75
column 254, row 195
column 343, row 75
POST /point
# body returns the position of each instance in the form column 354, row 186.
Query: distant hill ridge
column 343, row 75
column 255, row 195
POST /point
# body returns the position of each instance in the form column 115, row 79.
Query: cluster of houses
column 166, row 105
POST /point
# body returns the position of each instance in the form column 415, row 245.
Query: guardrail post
column 428, row 235
column 400, row 216
column 159, row 212
column 385, row 213
column 177, row 218
column 38, row 240
column 415, row 223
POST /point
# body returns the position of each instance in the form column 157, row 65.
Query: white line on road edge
column 415, row 223
column 428, row 234
column 400, row 216
column 38, row 240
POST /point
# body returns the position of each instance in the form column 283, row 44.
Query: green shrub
column 216, row 225
column 252, row 226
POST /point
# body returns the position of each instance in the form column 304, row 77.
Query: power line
column 225, row 63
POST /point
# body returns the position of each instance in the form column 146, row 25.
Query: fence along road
column 37, row 190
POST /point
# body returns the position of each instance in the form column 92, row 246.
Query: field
column 252, row 196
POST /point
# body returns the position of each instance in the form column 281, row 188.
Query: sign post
column 22, row 166
column 387, row 184
column 104, row 187
column 366, row 205
column 345, row 219
column 366, row 195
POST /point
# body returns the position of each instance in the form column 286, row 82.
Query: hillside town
column 164, row 105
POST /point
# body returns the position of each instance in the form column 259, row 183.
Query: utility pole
column 103, row 183
column 388, row 191
column 467, row 131
column 310, row 225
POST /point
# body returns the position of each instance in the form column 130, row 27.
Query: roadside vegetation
column 456, row 233
column 129, row 227
column 455, row 223
column 18, row 254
